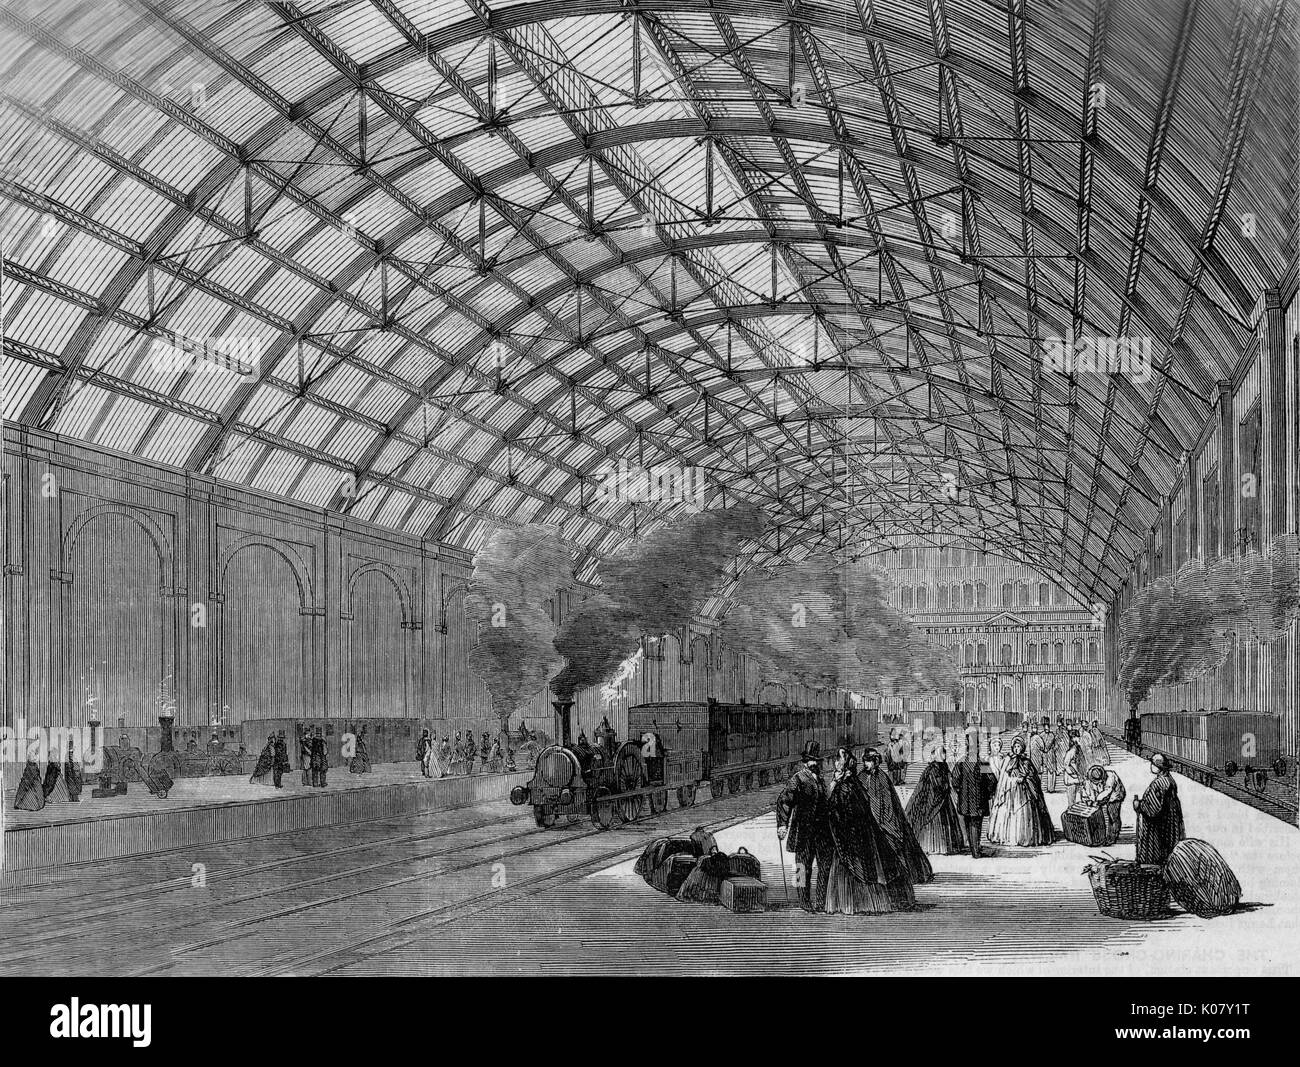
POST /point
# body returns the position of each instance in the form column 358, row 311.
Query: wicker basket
column 1128, row 890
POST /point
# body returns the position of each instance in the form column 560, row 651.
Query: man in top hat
column 1159, row 815
column 320, row 761
column 1042, row 754
column 803, row 822
column 968, row 786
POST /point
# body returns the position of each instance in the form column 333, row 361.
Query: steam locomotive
column 677, row 746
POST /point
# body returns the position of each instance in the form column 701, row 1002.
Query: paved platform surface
column 482, row 890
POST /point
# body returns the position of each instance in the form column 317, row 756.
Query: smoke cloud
column 515, row 573
column 824, row 625
column 653, row 586
column 1177, row 628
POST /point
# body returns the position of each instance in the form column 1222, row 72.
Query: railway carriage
column 672, row 749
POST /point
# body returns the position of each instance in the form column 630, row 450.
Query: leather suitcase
column 1084, row 825
column 743, row 894
column 672, row 872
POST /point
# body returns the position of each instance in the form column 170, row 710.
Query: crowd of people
column 463, row 755
column 858, row 850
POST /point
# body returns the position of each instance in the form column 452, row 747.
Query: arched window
column 968, row 595
column 907, row 598
column 1006, row 594
column 1058, row 699
column 981, row 595
column 1058, row 652
column 941, row 597
column 1042, row 594
column 922, row 598
column 983, row 654
column 1092, row 698
column 1031, row 700
column 1076, row 699
column 1006, row 698
column 956, row 597
column 1022, row 594
column 1006, row 654
column 1092, row 651
column 970, row 655
column 904, row 557
column 970, row 698
column 1033, row 652
column 1077, row 650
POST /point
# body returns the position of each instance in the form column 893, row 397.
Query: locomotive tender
column 678, row 746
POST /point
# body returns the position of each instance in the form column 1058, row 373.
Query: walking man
column 972, row 795
column 802, row 821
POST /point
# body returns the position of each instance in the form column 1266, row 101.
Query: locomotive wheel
column 685, row 796
column 543, row 817
column 658, row 803
column 602, row 811
column 715, row 788
column 573, row 817
column 631, row 808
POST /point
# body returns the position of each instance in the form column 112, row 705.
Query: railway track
column 414, row 925
column 148, row 896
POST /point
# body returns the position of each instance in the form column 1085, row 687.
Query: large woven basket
column 1127, row 890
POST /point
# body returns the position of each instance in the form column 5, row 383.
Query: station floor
column 482, row 890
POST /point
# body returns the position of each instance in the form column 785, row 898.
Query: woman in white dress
column 1019, row 814
column 432, row 761
column 1100, row 752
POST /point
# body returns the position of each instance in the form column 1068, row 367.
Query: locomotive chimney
column 562, row 710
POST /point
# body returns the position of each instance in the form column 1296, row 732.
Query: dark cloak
column 1159, row 821
column 29, row 796
column 73, row 779
column 859, row 842
column 888, row 812
column 932, row 814
column 265, row 763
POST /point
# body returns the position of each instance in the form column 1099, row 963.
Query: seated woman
column 866, row 876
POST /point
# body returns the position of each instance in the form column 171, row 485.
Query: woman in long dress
column 866, row 876
column 1019, row 814
column 1100, row 750
column 932, row 813
column 433, row 767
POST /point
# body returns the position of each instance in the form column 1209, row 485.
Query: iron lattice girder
column 1011, row 411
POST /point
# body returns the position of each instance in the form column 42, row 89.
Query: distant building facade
column 1020, row 642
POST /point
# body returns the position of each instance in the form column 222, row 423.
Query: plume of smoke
column 820, row 625
column 597, row 636
column 664, row 578
column 792, row 620
column 653, row 586
column 1175, row 629
column 516, row 572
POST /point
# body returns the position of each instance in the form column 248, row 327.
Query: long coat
column 1160, row 821
column 802, row 806
column 888, row 812
column 969, row 788
column 860, row 844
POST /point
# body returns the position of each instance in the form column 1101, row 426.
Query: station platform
column 225, row 808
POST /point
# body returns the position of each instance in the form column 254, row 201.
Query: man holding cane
column 802, row 821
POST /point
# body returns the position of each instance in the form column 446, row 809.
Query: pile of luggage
column 693, row 869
